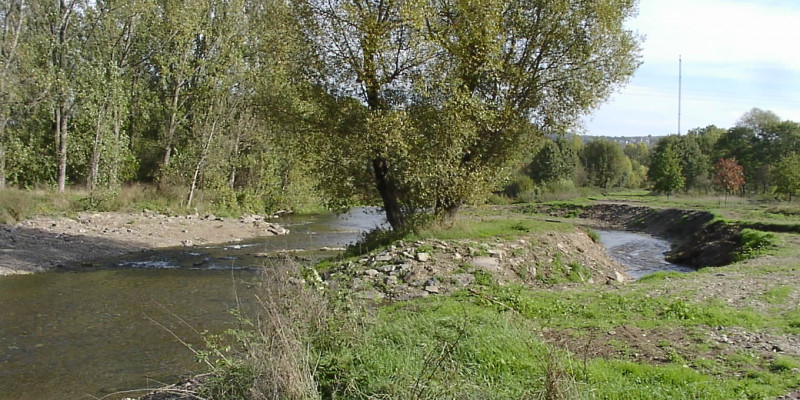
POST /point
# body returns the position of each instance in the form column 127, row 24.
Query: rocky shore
column 43, row 243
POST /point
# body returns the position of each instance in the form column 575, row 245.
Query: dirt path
column 41, row 243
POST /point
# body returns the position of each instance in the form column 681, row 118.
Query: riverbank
column 718, row 333
column 42, row 243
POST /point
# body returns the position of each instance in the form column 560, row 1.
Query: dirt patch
column 418, row 269
column 41, row 243
column 656, row 346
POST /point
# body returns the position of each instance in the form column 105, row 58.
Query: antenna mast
column 680, row 72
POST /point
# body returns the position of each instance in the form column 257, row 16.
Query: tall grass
column 20, row 204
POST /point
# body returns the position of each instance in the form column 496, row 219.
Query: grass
column 489, row 228
column 493, row 341
column 17, row 205
column 778, row 294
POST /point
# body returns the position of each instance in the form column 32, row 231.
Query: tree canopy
column 438, row 99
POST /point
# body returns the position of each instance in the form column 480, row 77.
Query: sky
column 736, row 55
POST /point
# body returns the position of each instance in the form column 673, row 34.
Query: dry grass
column 289, row 313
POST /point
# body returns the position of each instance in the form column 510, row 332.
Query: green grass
column 489, row 228
column 778, row 294
column 479, row 348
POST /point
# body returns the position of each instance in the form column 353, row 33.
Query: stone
column 390, row 280
column 432, row 289
column 485, row 262
column 619, row 277
column 386, row 268
column 384, row 258
column 463, row 279
column 457, row 256
column 326, row 248
column 496, row 253
column 423, row 257
column 371, row 295
column 371, row 272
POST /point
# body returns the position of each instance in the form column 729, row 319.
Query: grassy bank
column 722, row 333
column 20, row 204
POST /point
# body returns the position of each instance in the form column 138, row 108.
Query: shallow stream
column 114, row 325
column 640, row 253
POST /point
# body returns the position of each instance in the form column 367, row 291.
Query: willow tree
column 436, row 99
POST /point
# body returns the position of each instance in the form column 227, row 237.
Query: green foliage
column 605, row 163
column 755, row 242
column 438, row 119
column 778, row 295
column 786, row 175
column 555, row 161
column 666, row 173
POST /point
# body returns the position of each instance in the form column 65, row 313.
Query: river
column 114, row 326
column 640, row 253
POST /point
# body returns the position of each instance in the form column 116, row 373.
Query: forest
column 417, row 105
column 760, row 154
column 262, row 105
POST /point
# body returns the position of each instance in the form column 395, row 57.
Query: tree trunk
column 447, row 210
column 113, row 179
column 385, row 186
column 199, row 165
column 2, row 167
column 235, row 158
column 94, row 161
column 173, row 124
column 61, row 143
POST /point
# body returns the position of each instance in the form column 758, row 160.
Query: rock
column 485, row 262
column 326, row 248
column 431, row 282
column 390, row 280
column 433, row 289
column 619, row 277
column 457, row 256
column 384, row 258
column 371, row 272
column 499, row 254
column 463, row 279
column 261, row 255
column 187, row 243
column 371, row 295
column 423, row 257
column 386, row 268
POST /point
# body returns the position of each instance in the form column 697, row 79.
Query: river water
column 115, row 326
column 640, row 253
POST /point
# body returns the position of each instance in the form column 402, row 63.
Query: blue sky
column 737, row 54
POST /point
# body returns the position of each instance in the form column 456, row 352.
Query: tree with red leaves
column 728, row 175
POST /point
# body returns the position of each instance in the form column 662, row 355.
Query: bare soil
column 41, row 243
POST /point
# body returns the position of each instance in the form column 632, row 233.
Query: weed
column 783, row 364
column 755, row 242
column 593, row 235
column 778, row 294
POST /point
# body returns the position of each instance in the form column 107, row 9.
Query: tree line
column 759, row 154
column 410, row 104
